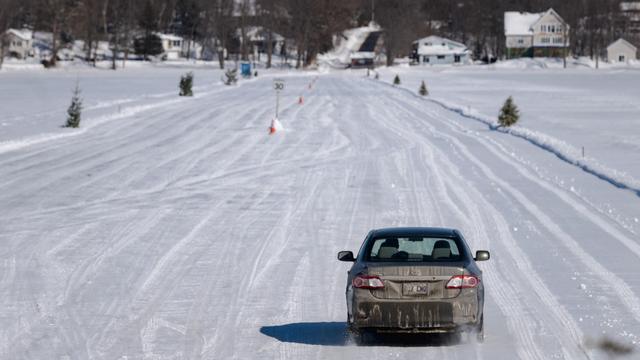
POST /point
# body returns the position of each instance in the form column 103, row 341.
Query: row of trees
column 308, row 25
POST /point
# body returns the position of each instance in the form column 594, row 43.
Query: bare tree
column 55, row 15
column 244, row 9
column 221, row 12
column 270, row 12
column 401, row 23
column 117, row 20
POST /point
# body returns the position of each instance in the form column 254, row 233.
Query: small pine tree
column 509, row 114
column 186, row 84
column 423, row 89
column 232, row 76
column 396, row 80
column 75, row 109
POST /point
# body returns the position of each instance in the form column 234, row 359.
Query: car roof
column 415, row 231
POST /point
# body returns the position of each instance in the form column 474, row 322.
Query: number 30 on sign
column 278, row 84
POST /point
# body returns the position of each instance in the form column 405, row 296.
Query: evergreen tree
column 232, row 76
column 509, row 114
column 186, row 84
column 75, row 109
column 150, row 45
column 396, row 80
column 423, row 89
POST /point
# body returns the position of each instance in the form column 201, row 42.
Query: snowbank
column 558, row 63
column 561, row 149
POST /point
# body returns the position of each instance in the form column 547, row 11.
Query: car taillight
column 367, row 282
column 463, row 282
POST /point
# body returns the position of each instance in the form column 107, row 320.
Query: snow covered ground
column 582, row 107
column 185, row 231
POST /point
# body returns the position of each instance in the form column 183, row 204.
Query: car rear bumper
column 443, row 315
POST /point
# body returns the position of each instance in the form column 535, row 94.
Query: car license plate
column 415, row 288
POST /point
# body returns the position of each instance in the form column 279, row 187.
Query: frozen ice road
column 185, row 231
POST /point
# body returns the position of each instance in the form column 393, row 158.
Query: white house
column 258, row 40
column 535, row 34
column 437, row 50
column 172, row 46
column 20, row 43
column 621, row 51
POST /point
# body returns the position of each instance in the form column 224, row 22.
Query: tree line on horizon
column 309, row 26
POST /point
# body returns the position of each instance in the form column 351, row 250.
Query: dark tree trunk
column 220, row 51
column 269, row 47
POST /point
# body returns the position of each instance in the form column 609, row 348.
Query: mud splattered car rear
column 415, row 280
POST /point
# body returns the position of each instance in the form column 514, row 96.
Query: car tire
column 361, row 337
column 480, row 330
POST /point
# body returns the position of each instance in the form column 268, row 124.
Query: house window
column 621, row 58
column 456, row 58
column 559, row 29
column 557, row 40
column 440, row 57
column 543, row 28
column 545, row 40
column 176, row 43
column 425, row 59
column 552, row 28
column 520, row 41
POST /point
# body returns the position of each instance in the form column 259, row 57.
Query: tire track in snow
column 619, row 286
column 531, row 350
column 624, row 293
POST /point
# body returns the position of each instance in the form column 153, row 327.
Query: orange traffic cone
column 276, row 125
column 272, row 128
column 301, row 100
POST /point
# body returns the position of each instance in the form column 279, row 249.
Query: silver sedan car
column 414, row 280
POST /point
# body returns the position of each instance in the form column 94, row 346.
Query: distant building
column 20, row 43
column 258, row 37
column 368, row 55
column 172, row 46
column 535, row 34
column 434, row 50
column 621, row 51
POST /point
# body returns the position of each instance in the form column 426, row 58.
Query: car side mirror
column 346, row 256
column 482, row 255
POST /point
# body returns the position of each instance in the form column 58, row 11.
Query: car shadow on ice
column 311, row 333
column 336, row 334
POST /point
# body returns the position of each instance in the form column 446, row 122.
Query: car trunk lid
column 416, row 282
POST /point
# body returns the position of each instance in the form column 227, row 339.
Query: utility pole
column 566, row 34
column 373, row 11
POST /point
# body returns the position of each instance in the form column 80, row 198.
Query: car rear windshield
column 413, row 249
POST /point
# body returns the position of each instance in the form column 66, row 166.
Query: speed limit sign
column 278, row 84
